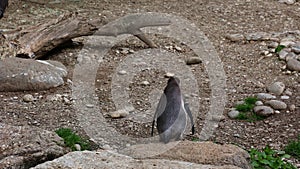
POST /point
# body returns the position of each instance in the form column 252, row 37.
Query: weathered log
column 36, row 41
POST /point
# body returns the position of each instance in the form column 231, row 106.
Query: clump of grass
column 293, row 148
column 70, row 139
column 279, row 48
column 269, row 159
column 246, row 110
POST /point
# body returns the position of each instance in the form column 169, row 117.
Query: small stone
column 233, row 114
column 288, row 92
column 292, row 107
column 240, row 102
column 293, row 65
column 28, row 98
column 193, row 60
column 290, row 55
column 178, row 48
column 296, row 49
column 77, row 147
column 236, row 135
column 282, row 54
column 89, row 105
column 168, row 75
column 276, row 104
column 106, row 147
column 15, row 98
column 289, row 2
column 263, row 96
column 259, row 103
column 122, row 72
column 272, row 45
column 235, row 37
column 263, row 110
column 145, row 83
column 287, row 43
column 276, row 88
column 119, row 114
column 277, row 112
column 285, row 97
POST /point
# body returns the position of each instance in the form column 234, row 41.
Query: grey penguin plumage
column 171, row 113
column 3, row 5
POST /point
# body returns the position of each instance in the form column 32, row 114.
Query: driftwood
column 36, row 41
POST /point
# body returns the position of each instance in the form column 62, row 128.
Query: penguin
column 3, row 5
column 172, row 113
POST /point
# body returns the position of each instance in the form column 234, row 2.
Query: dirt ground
column 241, row 61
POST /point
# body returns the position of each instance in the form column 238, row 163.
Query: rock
column 168, row 74
column 146, row 83
column 89, row 105
column 292, row 107
column 284, row 97
column 287, row 42
column 296, row 49
column 259, row 103
column 235, row 37
column 282, row 54
column 119, row 113
column 293, row 65
column 122, row 72
column 290, row 55
column 193, row 60
column 288, row 92
column 276, row 104
column 106, row 159
column 264, row 96
column 195, row 152
column 77, row 147
column 289, row 2
column 233, row 114
column 28, row 98
column 273, row 45
column 27, row 74
column 27, row 146
column 263, row 110
column 256, row 36
column 276, row 88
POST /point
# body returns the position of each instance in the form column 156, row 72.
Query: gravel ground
column 246, row 73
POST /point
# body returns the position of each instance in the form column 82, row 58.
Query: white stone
column 233, row 114
column 28, row 98
column 276, row 88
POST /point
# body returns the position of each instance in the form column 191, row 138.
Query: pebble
column 277, row 112
column 28, row 98
column 276, row 104
column 178, row 48
column 287, row 43
column 282, row 54
column 168, row 74
column 276, row 88
column 122, row 72
column 77, row 147
column 296, row 49
column 145, row 83
column 193, row 60
column 89, row 105
column 290, row 55
column 285, row 97
column 293, row 65
column 273, row 45
column 289, row 2
column 288, row 92
column 235, row 37
column 259, row 103
column 233, row 114
column 263, row 96
column 292, row 107
column 263, row 110
column 106, row 147
column 119, row 113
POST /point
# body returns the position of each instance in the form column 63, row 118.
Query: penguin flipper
column 159, row 110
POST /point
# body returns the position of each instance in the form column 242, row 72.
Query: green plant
column 70, row 139
column 246, row 110
column 269, row 159
column 293, row 148
column 279, row 48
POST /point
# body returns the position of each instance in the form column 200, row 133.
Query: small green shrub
column 70, row 139
column 293, row 148
column 279, row 48
column 269, row 159
column 246, row 110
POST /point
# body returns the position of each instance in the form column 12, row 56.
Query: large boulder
column 196, row 152
column 105, row 159
column 19, row 74
column 27, row 146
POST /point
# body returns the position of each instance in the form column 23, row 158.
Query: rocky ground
column 250, row 66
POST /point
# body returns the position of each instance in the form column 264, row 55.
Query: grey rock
column 106, row 159
column 276, row 104
column 276, row 88
column 257, row 36
column 293, row 65
column 233, row 114
column 26, row 74
column 27, row 146
column 77, row 147
column 168, row 74
column 263, row 110
column 195, row 152
column 282, row 54
column 287, row 42
column 259, row 103
column 193, row 60
column 292, row 107
column 265, row 96
column 296, row 49
column 235, row 37
column 273, row 45
column 145, row 83
column 290, row 55
column 122, row 72
column 119, row 113
column 289, row 2
column 284, row 97
column 28, row 98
